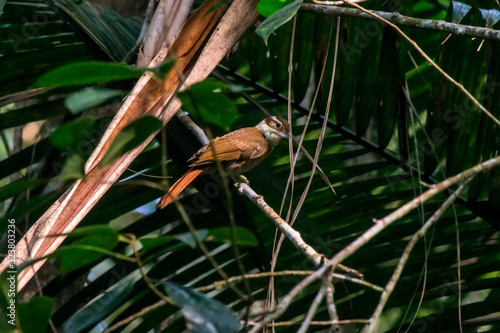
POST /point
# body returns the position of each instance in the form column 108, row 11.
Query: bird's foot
column 242, row 179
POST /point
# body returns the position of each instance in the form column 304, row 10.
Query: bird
column 238, row 152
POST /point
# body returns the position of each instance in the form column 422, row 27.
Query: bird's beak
column 284, row 135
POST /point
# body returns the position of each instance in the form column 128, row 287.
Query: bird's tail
column 178, row 187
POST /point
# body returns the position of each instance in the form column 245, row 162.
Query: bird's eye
column 278, row 125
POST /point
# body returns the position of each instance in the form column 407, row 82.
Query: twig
column 135, row 316
column 312, row 310
column 330, row 306
column 406, row 253
column 319, row 322
column 220, row 284
column 191, row 125
column 292, row 234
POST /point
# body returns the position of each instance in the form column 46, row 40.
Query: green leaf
column 276, row 20
column 20, row 186
column 203, row 313
column 86, row 72
column 206, row 100
column 100, row 307
column 69, row 136
column 74, row 256
column 149, row 243
column 73, row 168
column 92, row 230
column 8, row 299
column 268, row 7
column 242, row 236
column 89, row 97
column 34, row 315
column 130, row 137
column 95, row 242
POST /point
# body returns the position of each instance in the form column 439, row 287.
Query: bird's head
column 274, row 129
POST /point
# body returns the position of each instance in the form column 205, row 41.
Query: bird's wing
column 217, row 149
column 244, row 143
column 253, row 146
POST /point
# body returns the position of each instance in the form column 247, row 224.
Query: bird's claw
column 243, row 180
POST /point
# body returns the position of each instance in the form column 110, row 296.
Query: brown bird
column 238, row 152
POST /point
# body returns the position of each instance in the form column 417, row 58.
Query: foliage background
column 395, row 126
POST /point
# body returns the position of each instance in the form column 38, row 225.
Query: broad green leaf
column 149, row 243
column 203, row 313
column 130, row 137
column 86, row 72
column 89, row 97
column 34, row 315
column 242, row 236
column 207, row 100
column 100, row 307
column 69, row 136
column 276, row 20
column 92, row 230
column 268, row 7
column 92, row 72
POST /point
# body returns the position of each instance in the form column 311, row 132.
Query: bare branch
column 407, row 21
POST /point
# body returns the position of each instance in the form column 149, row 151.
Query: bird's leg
column 238, row 179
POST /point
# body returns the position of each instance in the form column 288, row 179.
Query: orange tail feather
column 178, row 187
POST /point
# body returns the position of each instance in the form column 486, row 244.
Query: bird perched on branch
column 238, row 152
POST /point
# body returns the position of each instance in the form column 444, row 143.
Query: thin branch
column 406, row 253
column 220, row 284
column 312, row 310
column 192, row 126
column 319, row 322
column 292, row 234
column 332, row 309
column 136, row 315
column 407, row 21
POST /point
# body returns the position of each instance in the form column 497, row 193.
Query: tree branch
column 407, row 21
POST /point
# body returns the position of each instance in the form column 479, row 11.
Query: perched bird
column 237, row 151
